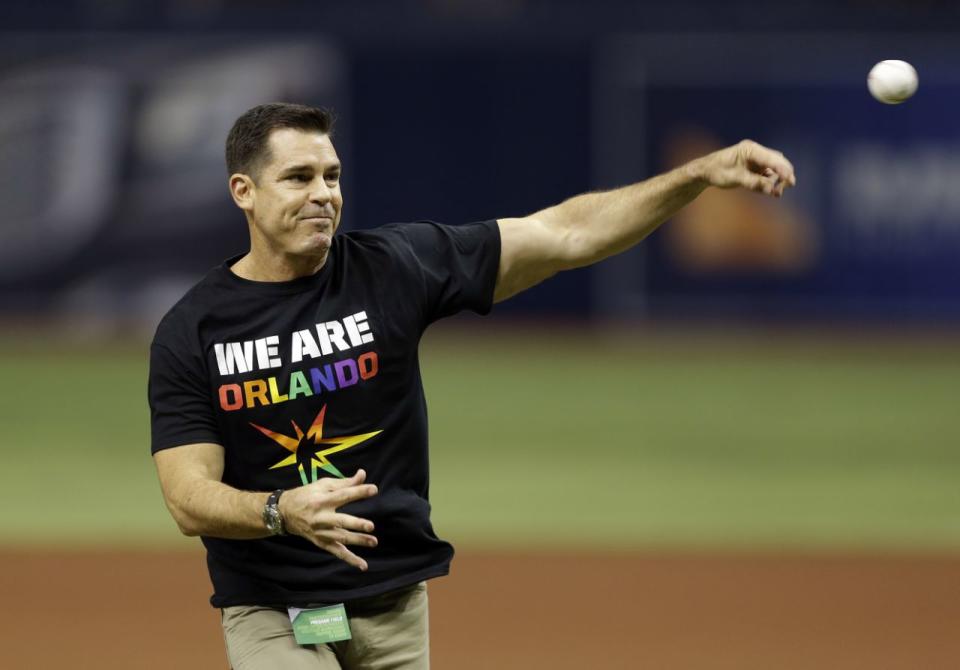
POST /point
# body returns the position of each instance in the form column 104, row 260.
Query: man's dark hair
column 247, row 148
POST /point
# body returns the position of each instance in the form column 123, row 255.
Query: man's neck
column 276, row 269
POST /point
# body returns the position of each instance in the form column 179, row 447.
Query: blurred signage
column 873, row 227
column 114, row 180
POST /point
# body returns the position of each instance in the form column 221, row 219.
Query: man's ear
column 243, row 191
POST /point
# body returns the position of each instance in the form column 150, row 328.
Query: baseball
column 892, row 81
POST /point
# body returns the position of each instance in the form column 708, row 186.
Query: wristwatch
column 271, row 514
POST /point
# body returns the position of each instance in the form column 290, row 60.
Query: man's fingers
column 339, row 492
column 777, row 184
column 334, row 484
column 758, row 183
column 344, row 554
column 761, row 159
column 781, row 167
column 345, row 537
column 348, row 495
column 764, row 180
column 784, row 170
column 353, row 523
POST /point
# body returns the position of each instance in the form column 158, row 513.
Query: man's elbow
column 186, row 524
column 188, row 530
column 578, row 249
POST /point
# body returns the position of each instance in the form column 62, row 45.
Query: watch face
column 271, row 517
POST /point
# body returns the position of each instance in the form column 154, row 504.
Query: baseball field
column 630, row 498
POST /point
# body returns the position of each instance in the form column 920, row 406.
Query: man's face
column 296, row 202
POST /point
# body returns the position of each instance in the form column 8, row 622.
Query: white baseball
column 892, row 81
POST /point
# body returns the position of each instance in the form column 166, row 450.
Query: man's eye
column 333, row 177
column 299, row 177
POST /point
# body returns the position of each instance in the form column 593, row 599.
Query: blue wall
column 462, row 111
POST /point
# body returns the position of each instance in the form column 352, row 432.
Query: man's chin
column 319, row 243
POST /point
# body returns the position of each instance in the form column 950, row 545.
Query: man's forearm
column 215, row 509
column 609, row 222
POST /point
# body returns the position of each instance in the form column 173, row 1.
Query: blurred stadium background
column 758, row 377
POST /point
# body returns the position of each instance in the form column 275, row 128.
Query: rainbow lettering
column 301, row 383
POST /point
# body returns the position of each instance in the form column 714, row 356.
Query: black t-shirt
column 318, row 377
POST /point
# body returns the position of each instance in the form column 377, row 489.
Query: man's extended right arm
column 592, row 226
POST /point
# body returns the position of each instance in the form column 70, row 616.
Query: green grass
column 75, row 447
column 541, row 439
column 696, row 442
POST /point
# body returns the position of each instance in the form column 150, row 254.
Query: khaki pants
column 389, row 632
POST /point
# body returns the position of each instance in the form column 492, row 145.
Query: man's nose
column 320, row 192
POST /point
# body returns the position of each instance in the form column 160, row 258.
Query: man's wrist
column 696, row 172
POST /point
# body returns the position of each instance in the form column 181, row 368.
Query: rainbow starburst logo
column 304, row 451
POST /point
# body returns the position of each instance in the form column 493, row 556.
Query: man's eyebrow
column 300, row 167
column 305, row 167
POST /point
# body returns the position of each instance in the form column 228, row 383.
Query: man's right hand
column 747, row 165
column 311, row 512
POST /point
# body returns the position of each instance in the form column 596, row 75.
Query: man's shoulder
column 189, row 310
column 386, row 235
column 389, row 243
column 407, row 236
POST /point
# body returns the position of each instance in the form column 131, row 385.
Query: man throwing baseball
column 289, row 424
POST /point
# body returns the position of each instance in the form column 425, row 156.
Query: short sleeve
column 180, row 408
column 458, row 265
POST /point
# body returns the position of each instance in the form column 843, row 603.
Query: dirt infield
column 135, row 610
